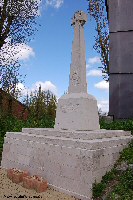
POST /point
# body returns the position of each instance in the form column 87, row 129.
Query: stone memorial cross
column 77, row 110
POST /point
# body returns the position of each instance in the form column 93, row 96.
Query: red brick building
column 9, row 105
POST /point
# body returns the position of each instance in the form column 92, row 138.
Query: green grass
column 124, row 188
column 119, row 183
column 99, row 188
column 127, row 154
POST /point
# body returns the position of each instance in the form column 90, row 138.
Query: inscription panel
column 69, row 107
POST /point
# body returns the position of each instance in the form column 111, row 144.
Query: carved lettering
column 69, row 108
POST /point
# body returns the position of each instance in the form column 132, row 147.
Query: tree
column 42, row 104
column 9, row 72
column 10, row 77
column 96, row 9
column 17, row 24
column 17, row 18
column 51, row 109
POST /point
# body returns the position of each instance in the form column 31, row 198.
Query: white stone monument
column 73, row 155
column 77, row 110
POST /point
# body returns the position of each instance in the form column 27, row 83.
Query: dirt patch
column 10, row 191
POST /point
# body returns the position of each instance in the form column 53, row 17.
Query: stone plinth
column 70, row 161
column 77, row 111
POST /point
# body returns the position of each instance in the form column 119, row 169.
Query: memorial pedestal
column 77, row 111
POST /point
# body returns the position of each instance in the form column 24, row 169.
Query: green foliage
column 127, row 154
column 126, row 125
column 42, row 107
column 42, row 104
column 98, row 189
column 110, row 176
column 126, row 196
column 124, row 189
column 126, row 179
column 7, row 123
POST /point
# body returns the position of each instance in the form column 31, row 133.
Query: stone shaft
column 77, row 80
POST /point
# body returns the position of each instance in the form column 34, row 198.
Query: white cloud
column 23, row 52
column 47, row 85
column 104, row 106
column 59, row 3
column 22, row 88
column 102, row 85
column 88, row 65
column 15, row 52
column 94, row 72
column 54, row 3
column 94, row 60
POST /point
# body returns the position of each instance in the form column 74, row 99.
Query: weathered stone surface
column 120, row 96
column 121, row 59
column 77, row 111
column 77, row 81
column 96, row 134
column 120, row 15
column 121, row 52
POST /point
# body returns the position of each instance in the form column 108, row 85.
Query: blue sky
column 46, row 59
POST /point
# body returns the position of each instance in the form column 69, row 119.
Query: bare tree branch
column 97, row 10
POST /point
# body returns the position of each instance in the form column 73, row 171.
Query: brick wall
column 9, row 105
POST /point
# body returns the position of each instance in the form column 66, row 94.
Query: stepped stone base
column 70, row 161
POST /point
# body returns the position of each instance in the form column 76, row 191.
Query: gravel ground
column 11, row 191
